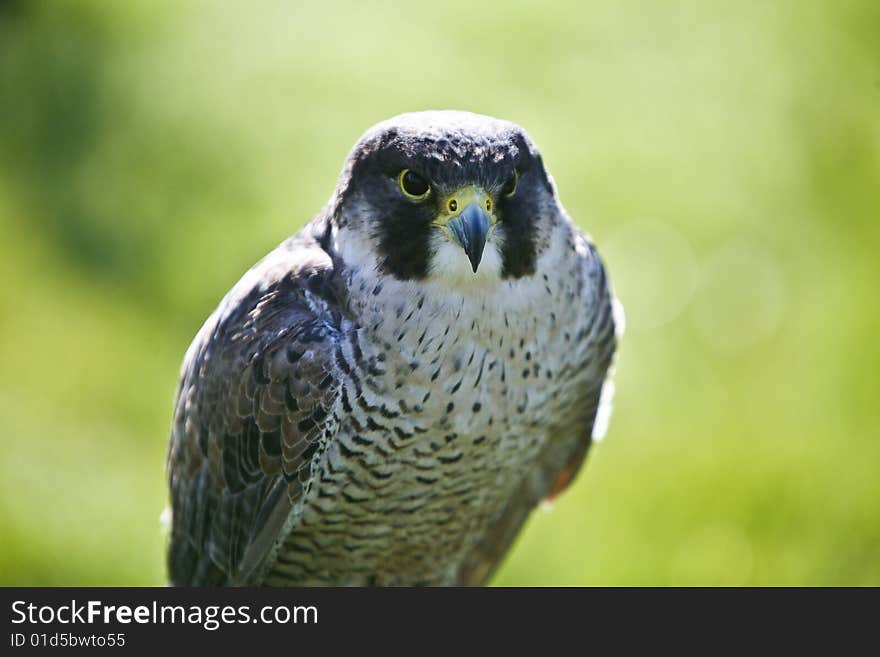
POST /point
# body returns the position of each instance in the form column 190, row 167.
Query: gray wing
column 563, row 457
column 255, row 405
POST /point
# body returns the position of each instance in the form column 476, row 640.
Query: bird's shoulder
column 254, row 405
column 595, row 343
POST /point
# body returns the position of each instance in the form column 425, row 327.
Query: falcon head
column 445, row 195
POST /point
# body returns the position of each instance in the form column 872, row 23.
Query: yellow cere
column 453, row 204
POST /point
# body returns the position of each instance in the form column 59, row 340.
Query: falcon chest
column 443, row 412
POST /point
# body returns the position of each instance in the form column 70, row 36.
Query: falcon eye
column 509, row 187
column 413, row 185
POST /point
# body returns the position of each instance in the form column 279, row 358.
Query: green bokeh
column 725, row 157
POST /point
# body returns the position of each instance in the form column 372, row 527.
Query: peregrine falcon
column 384, row 398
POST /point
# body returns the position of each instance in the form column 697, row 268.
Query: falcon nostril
column 453, row 205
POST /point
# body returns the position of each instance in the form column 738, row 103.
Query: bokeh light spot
column 741, row 297
column 655, row 273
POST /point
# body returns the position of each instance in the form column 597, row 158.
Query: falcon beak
column 470, row 229
column 467, row 219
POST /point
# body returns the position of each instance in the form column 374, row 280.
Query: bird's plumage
column 364, row 409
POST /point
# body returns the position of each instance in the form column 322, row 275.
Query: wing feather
column 255, row 405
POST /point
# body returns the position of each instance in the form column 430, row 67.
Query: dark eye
column 509, row 187
column 413, row 185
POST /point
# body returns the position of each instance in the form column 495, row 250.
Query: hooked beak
column 470, row 229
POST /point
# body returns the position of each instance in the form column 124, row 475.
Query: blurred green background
column 725, row 157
